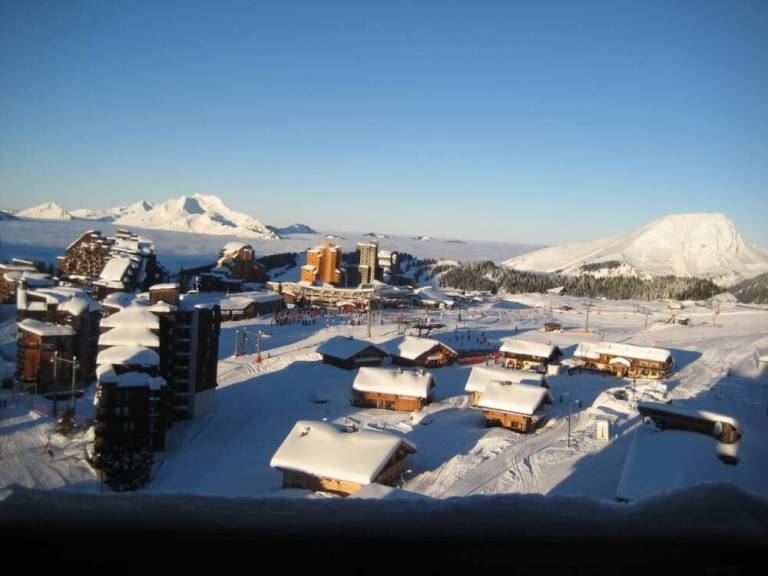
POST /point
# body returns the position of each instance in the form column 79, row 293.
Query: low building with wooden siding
column 480, row 376
column 624, row 360
column 518, row 407
column 528, row 355
column 36, row 345
column 349, row 353
column 393, row 389
column 553, row 327
column 12, row 275
column 322, row 457
column 413, row 351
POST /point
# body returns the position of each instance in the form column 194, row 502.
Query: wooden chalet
column 322, row 457
column 668, row 416
column 349, row 353
column 528, row 355
column 247, row 305
column 413, row 351
column 480, row 376
column 13, row 275
column 518, row 407
column 36, row 345
column 393, row 389
column 553, row 327
column 624, row 360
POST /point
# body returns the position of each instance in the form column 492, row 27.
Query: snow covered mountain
column 113, row 213
column 46, row 211
column 702, row 245
column 293, row 229
column 200, row 214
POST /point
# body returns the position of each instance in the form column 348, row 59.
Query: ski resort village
column 298, row 365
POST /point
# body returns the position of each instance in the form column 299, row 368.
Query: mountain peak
column 704, row 245
column 46, row 211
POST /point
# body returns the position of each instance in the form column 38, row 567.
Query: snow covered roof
column 479, row 376
column 235, row 246
column 518, row 398
column 593, row 350
column 529, row 348
column 692, row 412
column 235, row 303
column 344, row 347
column 107, row 375
column 393, row 381
column 128, row 334
column 115, row 269
column 325, row 450
column 119, row 299
column 167, row 286
column 660, row 461
column 31, row 278
column 76, row 306
column 129, row 355
column 45, row 328
column 132, row 316
column 412, row 347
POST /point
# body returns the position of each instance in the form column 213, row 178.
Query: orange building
column 323, row 264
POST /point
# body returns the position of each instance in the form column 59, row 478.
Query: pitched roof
column 411, row 347
column 45, row 328
column 127, row 355
column 344, row 347
column 129, row 334
column 593, row 350
column 529, row 348
column 479, row 376
column 517, row 398
column 107, row 375
column 393, row 381
column 132, row 316
column 325, row 450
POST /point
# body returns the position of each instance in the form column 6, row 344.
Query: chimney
column 168, row 293
column 21, row 295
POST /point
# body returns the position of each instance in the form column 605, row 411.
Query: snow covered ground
column 227, row 452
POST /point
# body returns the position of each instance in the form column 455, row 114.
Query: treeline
column 752, row 291
column 486, row 275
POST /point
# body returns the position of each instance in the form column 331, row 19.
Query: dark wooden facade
column 638, row 368
column 369, row 356
column 531, row 361
column 436, row 357
column 364, row 399
column 34, row 361
column 390, row 476
column 518, row 422
column 86, row 256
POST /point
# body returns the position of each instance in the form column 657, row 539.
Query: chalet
column 12, row 275
column 435, row 299
column 349, row 353
column 393, row 389
column 63, row 307
column 480, row 376
column 250, row 304
column 668, row 416
column 319, row 456
column 553, row 327
column 413, row 351
column 624, row 360
column 527, row 355
column 37, row 343
column 518, row 407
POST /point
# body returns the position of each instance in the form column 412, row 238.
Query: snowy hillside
column 46, row 211
column 112, row 214
column 199, row 213
column 702, row 245
column 293, row 229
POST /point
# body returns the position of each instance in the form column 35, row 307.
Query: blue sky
column 537, row 122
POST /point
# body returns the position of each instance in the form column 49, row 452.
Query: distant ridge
column 702, row 245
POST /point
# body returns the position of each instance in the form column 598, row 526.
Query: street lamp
column 577, row 404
